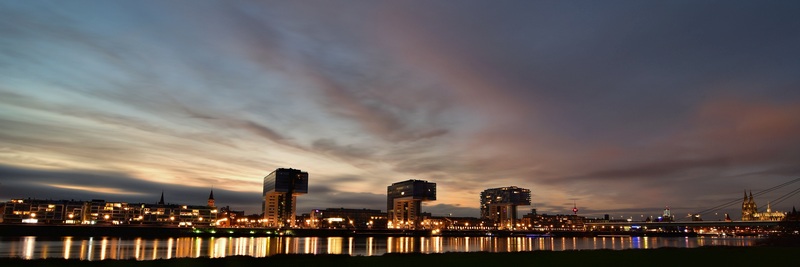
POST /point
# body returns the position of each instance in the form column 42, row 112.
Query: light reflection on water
column 101, row 248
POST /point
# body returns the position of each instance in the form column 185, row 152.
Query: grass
column 717, row 256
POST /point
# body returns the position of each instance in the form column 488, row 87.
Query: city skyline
column 623, row 107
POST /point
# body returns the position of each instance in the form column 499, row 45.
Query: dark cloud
column 86, row 185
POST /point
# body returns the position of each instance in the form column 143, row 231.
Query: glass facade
column 286, row 180
column 415, row 189
column 281, row 188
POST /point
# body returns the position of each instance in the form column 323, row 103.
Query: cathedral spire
column 161, row 202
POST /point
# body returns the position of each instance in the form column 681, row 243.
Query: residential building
column 404, row 202
column 499, row 205
column 281, row 188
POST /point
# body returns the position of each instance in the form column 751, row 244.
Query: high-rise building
column 404, row 202
column 500, row 204
column 281, row 188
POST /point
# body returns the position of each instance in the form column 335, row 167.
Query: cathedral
column 750, row 211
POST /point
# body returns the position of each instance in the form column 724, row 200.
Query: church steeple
column 211, row 199
column 161, row 202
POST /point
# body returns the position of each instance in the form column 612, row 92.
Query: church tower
column 211, row 199
column 749, row 208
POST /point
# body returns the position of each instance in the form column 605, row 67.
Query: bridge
column 738, row 201
column 683, row 224
column 686, row 223
column 686, row 228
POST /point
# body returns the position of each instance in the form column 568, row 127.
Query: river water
column 102, row 248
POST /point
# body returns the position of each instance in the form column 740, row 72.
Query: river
column 101, row 248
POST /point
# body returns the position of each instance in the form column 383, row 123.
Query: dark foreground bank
column 719, row 256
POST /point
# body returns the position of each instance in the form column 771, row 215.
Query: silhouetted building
column 404, row 202
column 281, row 188
column 794, row 215
column 500, row 205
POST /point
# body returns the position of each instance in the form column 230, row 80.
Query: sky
column 619, row 107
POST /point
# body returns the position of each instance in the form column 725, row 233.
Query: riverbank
column 44, row 230
column 719, row 256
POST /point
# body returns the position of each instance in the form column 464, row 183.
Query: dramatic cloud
column 620, row 107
